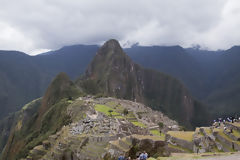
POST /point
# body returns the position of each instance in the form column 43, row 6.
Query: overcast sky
column 35, row 26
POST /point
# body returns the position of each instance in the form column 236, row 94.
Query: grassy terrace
column 179, row 148
column 155, row 138
column 139, row 124
column 235, row 124
column 236, row 133
column 188, row 136
column 105, row 109
column 191, row 156
column 226, row 137
column 116, row 112
column 208, row 130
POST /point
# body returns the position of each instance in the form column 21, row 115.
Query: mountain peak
column 112, row 43
column 111, row 46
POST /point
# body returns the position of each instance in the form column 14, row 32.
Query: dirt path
column 228, row 157
column 204, row 156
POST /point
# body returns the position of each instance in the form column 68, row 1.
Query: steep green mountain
column 173, row 60
column 211, row 76
column 40, row 118
column 113, row 73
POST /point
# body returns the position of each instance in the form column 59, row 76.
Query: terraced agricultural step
column 106, row 138
column 234, row 135
column 177, row 149
column 206, row 131
column 235, row 125
column 118, row 146
column 228, row 143
column 124, row 144
column 181, row 138
column 93, row 150
column 132, row 119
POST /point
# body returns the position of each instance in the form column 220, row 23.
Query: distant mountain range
column 211, row 76
column 24, row 78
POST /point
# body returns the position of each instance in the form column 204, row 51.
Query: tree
column 110, row 112
column 125, row 111
column 160, row 125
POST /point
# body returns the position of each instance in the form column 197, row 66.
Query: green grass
column 208, row 130
column 224, row 136
column 118, row 117
column 151, row 158
column 156, row 132
column 139, row 124
column 111, row 104
column 236, row 133
column 180, row 148
column 131, row 115
column 236, row 124
column 105, row 109
column 188, row 135
column 228, row 139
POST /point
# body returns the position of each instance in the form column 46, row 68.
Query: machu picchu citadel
column 96, row 133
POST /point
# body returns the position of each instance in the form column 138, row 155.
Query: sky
column 35, row 26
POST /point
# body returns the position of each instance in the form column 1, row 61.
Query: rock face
column 113, row 73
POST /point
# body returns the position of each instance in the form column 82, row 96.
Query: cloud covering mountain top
column 40, row 25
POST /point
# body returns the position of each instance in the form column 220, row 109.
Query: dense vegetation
column 211, row 76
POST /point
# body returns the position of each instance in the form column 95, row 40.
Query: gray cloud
column 39, row 25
